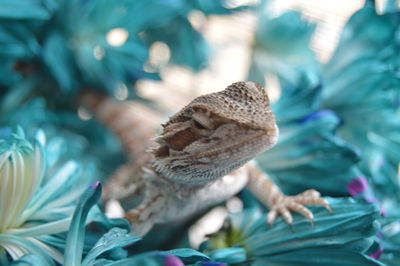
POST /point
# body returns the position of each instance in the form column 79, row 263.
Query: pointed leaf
column 114, row 238
column 76, row 234
column 188, row 254
column 229, row 255
column 22, row 9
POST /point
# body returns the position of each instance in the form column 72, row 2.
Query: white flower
column 31, row 210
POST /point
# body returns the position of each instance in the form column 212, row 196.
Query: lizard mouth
column 253, row 145
column 162, row 151
column 202, row 165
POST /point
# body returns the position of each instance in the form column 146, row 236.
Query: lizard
column 203, row 157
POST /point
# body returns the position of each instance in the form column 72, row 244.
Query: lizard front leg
column 144, row 216
column 279, row 204
column 126, row 181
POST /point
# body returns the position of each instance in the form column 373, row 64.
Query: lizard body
column 201, row 158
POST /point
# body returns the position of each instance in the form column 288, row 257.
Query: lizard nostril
column 162, row 151
column 272, row 130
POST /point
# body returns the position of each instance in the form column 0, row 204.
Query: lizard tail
column 133, row 123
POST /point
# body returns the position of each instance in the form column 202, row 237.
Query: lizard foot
column 284, row 205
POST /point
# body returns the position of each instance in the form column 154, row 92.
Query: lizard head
column 216, row 134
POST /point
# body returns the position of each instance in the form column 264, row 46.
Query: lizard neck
column 181, row 190
column 213, row 192
column 195, row 176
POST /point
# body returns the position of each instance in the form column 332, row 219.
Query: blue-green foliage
column 339, row 121
column 64, row 45
column 41, row 194
column 282, row 47
column 363, row 89
column 187, row 45
column 339, row 126
column 341, row 238
column 68, row 135
column 308, row 148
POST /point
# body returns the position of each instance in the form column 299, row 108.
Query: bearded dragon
column 203, row 158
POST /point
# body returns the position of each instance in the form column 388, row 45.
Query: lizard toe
column 299, row 208
column 286, row 205
column 312, row 200
column 279, row 210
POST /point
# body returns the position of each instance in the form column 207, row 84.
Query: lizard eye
column 201, row 124
column 201, row 129
column 198, row 125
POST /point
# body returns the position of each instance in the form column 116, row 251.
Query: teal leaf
column 98, row 216
column 59, row 60
column 362, row 82
column 146, row 259
column 188, row 255
column 152, row 258
column 367, row 33
column 18, row 41
column 76, row 234
column 286, row 33
column 23, row 9
column 282, row 48
column 342, row 237
column 229, row 255
column 30, row 260
column 115, row 238
column 327, row 256
column 300, row 100
column 389, row 240
column 187, row 45
column 211, row 7
column 3, row 257
column 309, row 148
column 28, row 246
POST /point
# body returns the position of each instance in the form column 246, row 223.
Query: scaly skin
column 201, row 158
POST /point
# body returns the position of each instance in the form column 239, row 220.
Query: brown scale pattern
column 241, row 102
column 133, row 124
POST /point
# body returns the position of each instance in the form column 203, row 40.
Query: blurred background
column 331, row 69
column 232, row 37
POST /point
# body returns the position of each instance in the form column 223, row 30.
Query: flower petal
column 51, row 188
column 49, row 228
column 23, row 246
column 29, row 260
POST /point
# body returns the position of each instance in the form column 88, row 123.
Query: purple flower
column 172, row 260
column 212, row 263
column 357, row 186
column 317, row 115
column 95, row 185
column 376, row 255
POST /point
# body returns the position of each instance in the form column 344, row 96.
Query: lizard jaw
column 211, row 162
column 250, row 143
column 215, row 134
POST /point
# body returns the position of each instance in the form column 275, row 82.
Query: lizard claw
column 285, row 205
